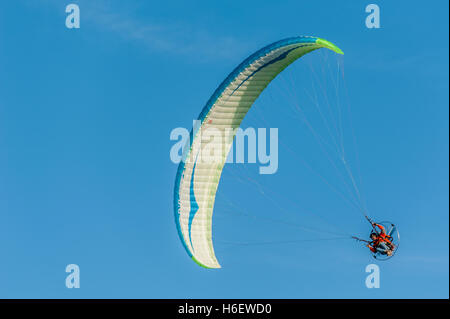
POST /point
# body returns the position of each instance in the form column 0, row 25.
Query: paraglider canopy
column 199, row 173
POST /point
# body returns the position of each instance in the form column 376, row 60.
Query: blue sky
column 85, row 173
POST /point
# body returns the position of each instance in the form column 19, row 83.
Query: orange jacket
column 382, row 237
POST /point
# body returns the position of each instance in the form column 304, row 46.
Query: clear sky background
column 86, row 178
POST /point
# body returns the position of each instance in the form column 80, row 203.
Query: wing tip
column 327, row 44
column 216, row 266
